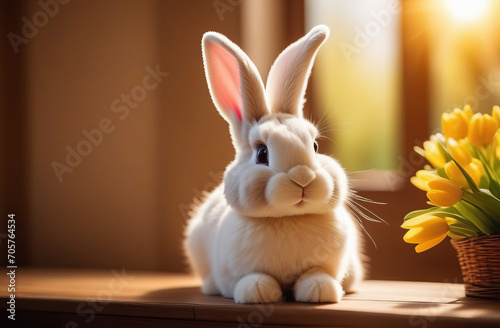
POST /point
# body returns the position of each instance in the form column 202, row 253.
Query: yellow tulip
column 443, row 192
column 495, row 113
column 497, row 149
column 474, row 169
column 455, row 124
column 422, row 178
column 482, row 129
column 455, row 175
column 468, row 112
column 433, row 154
column 425, row 230
column 459, row 152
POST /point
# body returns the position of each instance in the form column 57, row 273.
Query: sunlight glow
column 467, row 10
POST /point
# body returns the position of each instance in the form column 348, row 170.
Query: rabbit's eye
column 316, row 146
column 262, row 155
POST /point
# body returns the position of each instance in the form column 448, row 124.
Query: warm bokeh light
column 467, row 10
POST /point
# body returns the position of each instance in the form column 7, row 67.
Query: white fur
column 293, row 65
column 270, row 228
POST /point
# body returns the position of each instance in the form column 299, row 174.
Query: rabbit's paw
column 257, row 288
column 318, row 288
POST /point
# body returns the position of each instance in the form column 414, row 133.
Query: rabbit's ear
column 234, row 82
column 287, row 80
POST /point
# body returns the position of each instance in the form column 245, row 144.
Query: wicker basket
column 480, row 262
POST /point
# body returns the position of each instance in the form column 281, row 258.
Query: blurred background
column 108, row 130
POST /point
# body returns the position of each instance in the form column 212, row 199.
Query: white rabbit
column 278, row 221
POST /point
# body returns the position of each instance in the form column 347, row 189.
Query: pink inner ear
column 224, row 78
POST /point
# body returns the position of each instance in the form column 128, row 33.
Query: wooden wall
column 123, row 203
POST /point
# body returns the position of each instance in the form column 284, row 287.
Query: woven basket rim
column 466, row 240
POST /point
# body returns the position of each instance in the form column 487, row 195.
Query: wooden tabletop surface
column 94, row 296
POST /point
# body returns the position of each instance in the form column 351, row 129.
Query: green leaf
column 484, row 182
column 444, row 151
column 442, row 173
column 416, row 213
column 460, row 231
column 453, row 236
column 457, row 216
column 475, row 215
column 489, row 204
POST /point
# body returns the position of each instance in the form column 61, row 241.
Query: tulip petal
column 429, row 244
column 416, row 221
column 459, row 152
column 409, row 236
column 497, row 148
column 482, row 129
column 441, row 198
column 475, row 170
column 455, row 175
column 468, row 113
column 419, row 183
column 443, row 192
column 495, row 113
column 429, row 229
column 454, row 124
column 475, row 129
column 433, row 154
column 490, row 128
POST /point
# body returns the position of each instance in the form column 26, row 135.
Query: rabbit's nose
column 301, row 175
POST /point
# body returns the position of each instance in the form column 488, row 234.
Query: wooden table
column 119, row 298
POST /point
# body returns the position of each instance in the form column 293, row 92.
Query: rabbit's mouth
column 301, row 202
